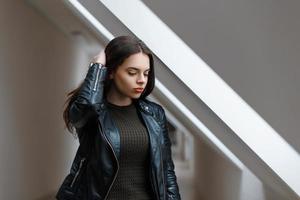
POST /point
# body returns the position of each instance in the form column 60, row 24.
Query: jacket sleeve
column 89, row 96
column 172, row 186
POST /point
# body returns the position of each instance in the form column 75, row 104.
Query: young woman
column 125, row 150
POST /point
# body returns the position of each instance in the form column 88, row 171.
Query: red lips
column 139, row 90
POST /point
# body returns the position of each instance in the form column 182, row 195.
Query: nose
column 141, row 79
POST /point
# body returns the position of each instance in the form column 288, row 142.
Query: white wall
column 38, row 67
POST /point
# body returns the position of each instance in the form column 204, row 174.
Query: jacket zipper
column 116, row 160
column 78, row 171
column 97, row 77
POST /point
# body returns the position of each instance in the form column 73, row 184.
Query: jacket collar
column 140, row 104
column 144, row 106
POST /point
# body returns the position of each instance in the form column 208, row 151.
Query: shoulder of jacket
column 152, row 108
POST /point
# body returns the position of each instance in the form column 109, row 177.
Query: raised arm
column 90, row 94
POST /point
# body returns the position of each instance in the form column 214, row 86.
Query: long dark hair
column 116, row 51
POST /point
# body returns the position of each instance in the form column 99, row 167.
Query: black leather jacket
column 95, row 166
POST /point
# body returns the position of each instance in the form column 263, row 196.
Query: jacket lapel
column 110, row 130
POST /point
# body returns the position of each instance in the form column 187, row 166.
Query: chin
column 136, row 96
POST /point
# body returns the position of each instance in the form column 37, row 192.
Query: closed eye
column 132, row 73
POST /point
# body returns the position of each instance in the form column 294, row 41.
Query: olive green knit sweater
column 132, row 181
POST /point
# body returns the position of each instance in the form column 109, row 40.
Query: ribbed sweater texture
column 132, row 181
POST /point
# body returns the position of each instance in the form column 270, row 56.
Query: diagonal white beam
column 86, row 16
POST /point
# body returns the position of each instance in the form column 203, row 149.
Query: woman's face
column 131, row 77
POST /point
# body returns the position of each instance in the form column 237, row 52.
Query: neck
column 116, row 98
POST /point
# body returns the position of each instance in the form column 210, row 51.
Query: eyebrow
column 137, row 68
